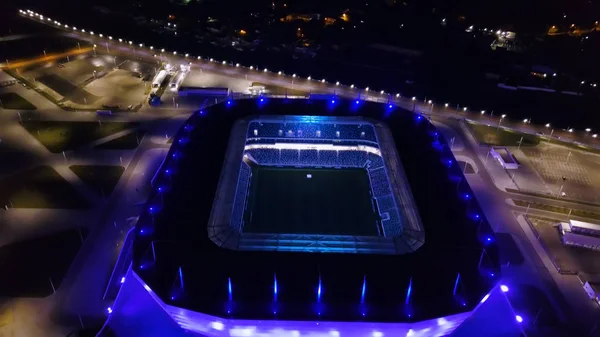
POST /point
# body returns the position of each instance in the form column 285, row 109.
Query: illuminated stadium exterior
column 244, row 233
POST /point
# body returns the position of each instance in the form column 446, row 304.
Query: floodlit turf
column 29, row 266
column 11, row 100
column 494, row 136
column 101, row 178
column 128, row 142
column 60, row 136
column 39, row 187
column 332, row 202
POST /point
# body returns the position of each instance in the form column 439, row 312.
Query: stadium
column 309, row 217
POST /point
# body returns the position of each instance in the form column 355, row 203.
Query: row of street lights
column 280, row 73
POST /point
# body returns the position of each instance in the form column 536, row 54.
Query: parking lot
column 567, row 258
column 89, row 81
column 572, row 174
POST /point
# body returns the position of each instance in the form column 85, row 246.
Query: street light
column 483, row 112
column 446, row 105
column 397, row 95
column 465, row 109
column 293, row 75
column 279, row 73
column 237, row 64
column 588, row 130
column 151, row 48
column 525, row 120
column 323, row 81
column 430, row 102
column 141, row 45
column 337, row 83
column 594, row 135
column 382, row 92
column 308, row 78
column 174, row 53
column 351, row 86
column 224, row 62
column 414, row 98
column 548, row 125
column 570, row 130
column 162, row 50
column 266, row 70
column 367, row 89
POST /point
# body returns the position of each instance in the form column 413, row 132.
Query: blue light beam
column 364, row 290
column 275, row 287
column 408, row 291
column 456, row 284
column 319, row 291
column 229, row 289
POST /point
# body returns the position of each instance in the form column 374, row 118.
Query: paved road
column 315, row 85
column 565, row 292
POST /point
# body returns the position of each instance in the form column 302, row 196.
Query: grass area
column 101, row 178
column 330, row 202
column 128, row 142
column 14, row 101
column 39, row 187
column 558, row 209
column 60, row 136
column 491, row 135
column 277, row 90
column 33, row 267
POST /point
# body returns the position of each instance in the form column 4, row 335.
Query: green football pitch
column 310, row 201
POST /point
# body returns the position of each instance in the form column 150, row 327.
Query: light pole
column 45, row 53
column 78, row 46
column 108, row 51
column 94, row 50
column 500, row 121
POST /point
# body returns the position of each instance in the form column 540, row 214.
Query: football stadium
column 309, row 217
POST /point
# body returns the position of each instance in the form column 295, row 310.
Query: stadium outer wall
column 138, row 311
